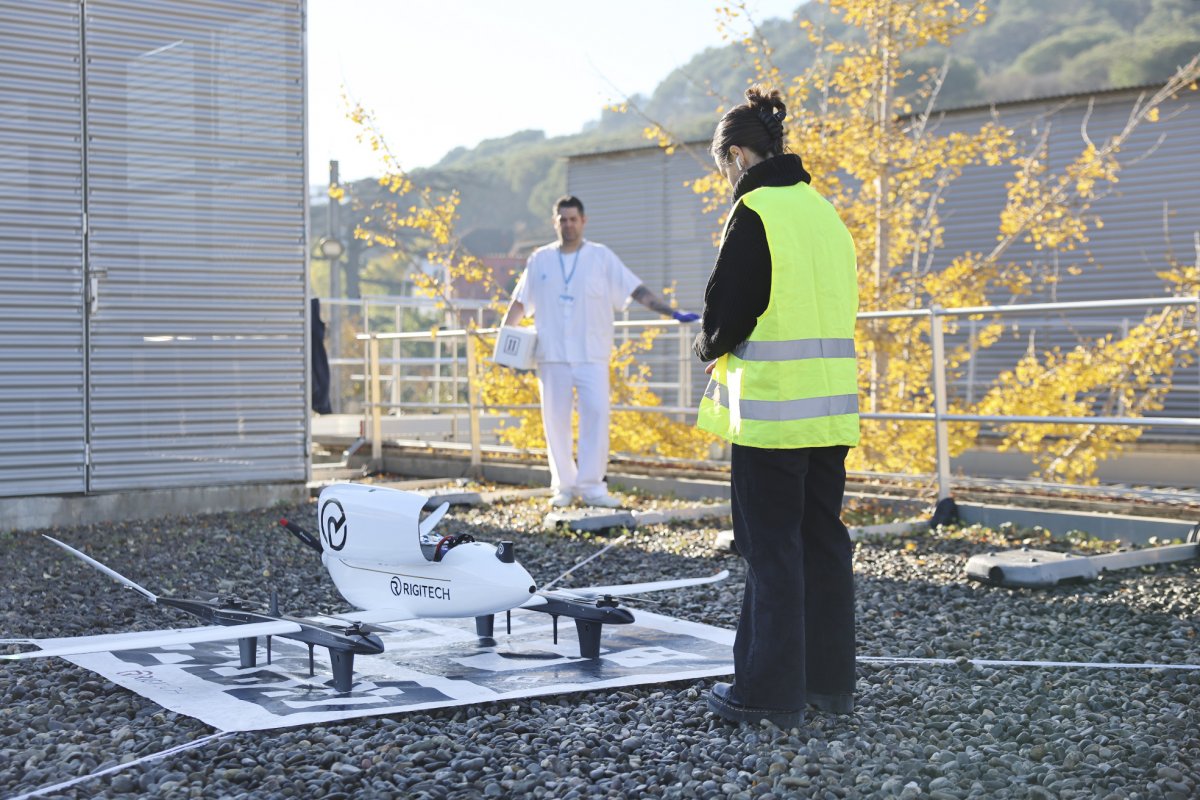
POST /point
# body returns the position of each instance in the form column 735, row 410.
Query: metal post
column 685, row 388
column 452, row 394
column 436, row 378
column 941, row 427
column 335, row 293
column 376, row 404
column 971, row 363
column 398, row 320
column 473, row 406
column 1198, row 348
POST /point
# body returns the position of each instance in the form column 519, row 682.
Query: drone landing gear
column 589, row 638
column 248, row 650
column 590, row 618
column 342, row 662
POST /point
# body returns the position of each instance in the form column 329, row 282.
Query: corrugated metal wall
column 194, row 180
column 1131, row 247
column 638, row 205
column 196, row 227
column 1151, row 216
column 41, row 248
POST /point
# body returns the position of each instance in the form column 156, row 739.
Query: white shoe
column 602, row 501
column 562, row 499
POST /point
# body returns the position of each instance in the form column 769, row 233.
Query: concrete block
column 724, row 542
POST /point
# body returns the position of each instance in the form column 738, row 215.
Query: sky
column 440, row 75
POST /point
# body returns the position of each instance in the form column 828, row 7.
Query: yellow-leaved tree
column 877, row 155
column 406, row 218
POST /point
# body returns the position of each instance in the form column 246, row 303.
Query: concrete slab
column 598, row 519
column 454, row 499
column 590, row 519
column 1111, row 527
column 30, row 513
column 654, row 517
column 724, row 539
column 515, row 494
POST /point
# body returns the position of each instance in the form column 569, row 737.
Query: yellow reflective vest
column 794, row 382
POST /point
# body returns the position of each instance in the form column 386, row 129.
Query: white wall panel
column 196, row 206
column 42, row 403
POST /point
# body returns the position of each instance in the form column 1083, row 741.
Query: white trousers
column 556, row 381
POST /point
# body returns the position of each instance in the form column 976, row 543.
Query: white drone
column 388, row 562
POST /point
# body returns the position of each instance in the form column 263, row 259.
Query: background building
column 152, row 254
column 638, row 204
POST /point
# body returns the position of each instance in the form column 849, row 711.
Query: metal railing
column 464, row 393
column 450, row 355
column 348, row 319
column 941, row 417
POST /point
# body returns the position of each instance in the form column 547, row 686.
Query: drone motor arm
column 304, row 536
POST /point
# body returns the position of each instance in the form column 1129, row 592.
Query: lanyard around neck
column 562, row 265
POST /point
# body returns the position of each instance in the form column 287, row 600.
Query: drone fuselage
column 469, row 581
column 379, row 557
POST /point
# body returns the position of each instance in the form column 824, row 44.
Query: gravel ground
column 918, row 731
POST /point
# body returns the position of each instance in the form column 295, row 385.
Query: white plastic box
column 516, row 347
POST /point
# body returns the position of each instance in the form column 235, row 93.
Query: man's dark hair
column 568, row 201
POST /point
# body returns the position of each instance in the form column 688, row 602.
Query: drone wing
column 592, row 592
column 140, row 640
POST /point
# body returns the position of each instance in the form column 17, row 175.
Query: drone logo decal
column 333, row 524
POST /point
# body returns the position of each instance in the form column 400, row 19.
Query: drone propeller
column 112, row 573
column 365, row 629
column 638, row 600
column 429, row 523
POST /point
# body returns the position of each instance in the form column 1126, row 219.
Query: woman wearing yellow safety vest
column 778, row 327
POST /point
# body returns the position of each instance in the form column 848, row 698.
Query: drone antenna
column 579, row 564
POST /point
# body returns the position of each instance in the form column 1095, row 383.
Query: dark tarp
column 320, row 363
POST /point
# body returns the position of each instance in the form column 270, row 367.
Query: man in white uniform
column 573, row 287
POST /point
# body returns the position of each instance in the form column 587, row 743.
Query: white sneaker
column 562, row 499
column 605, row 500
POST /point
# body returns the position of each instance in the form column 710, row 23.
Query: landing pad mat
column 426, row 664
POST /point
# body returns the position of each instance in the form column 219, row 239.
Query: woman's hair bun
column 770, row 108
column 756, row 124
column 759, row 97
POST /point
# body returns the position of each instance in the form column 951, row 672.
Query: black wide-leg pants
column 796, row 633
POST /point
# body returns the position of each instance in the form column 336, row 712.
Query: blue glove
column 685, row 316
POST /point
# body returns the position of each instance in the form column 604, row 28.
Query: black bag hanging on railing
column 320, row 362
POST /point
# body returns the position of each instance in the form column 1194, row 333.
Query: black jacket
column 740, row 285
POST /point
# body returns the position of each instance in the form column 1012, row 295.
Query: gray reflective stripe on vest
column 794, row 349
column 784, row 410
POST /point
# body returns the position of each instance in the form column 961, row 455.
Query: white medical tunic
column 573, row 298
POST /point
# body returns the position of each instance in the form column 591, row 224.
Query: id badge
column 566, row 302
